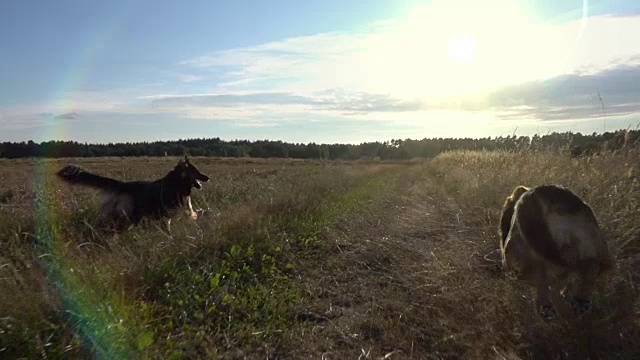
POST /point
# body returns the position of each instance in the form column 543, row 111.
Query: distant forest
column 575, row 143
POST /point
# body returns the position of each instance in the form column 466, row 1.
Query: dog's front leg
column 190, row 210
column 167, row 225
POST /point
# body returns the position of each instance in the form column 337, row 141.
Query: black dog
column 130, row 202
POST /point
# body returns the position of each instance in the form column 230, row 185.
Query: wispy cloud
column 76, row 106
column 388, row 57
column 398, row 71
column 186, row 78
column 240, row 104
column 25, row 120
column 64, row 116
column 573, row 96
column 564, row 97
column 540, row 71
column 304, row 63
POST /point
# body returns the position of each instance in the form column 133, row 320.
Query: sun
column 461, row 49
column 458, row 49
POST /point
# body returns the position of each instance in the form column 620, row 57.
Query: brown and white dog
column 548, row 232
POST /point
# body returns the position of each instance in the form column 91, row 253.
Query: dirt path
column 410, row 280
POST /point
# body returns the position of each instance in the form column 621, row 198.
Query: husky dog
column 548, row 232
column 126, row 203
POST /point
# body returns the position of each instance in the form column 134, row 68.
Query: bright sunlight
column 463, row 49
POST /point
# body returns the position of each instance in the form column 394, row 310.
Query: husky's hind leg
column 115, row 212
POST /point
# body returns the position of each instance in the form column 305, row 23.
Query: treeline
column 576, row 143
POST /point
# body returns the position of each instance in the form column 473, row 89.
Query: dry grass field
column 297, row 259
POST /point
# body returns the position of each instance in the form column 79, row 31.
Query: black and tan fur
column 548, row 232
column 125, row 203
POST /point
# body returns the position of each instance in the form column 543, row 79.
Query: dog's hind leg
column 588, row 271
column 542, row 301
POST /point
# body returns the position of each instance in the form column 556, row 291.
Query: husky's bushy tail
column 76, row 175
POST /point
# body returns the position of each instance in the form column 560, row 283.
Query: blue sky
column 323, row 71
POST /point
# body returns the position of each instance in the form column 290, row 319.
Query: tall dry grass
column 297, row 259
column 494, row 316
column 220, row 286
column 418, row 277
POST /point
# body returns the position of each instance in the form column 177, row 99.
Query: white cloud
column 414, row 65
column 414, row 59
column 610, row 92
column 485, row 64
column 186, row 78
column 570, row 96
column 72, row 106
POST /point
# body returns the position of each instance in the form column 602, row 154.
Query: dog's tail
column 76, row 175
